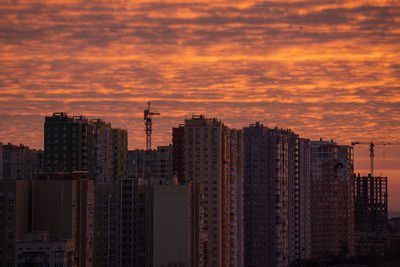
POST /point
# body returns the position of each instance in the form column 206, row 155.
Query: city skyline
column 394, row 175
column 252, row 196
column 323, row 69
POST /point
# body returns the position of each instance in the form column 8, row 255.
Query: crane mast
column 372, row 151
column 148, row 123
column 371, row 158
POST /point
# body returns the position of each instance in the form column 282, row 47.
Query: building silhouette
column 213, row 158
column 332, row 201
column 21, row 162
column 370, row 203
column 154, row 164
column 41, row 214
column 68, row 143
column 79, row 144
column 277, row 197
column 156, row 223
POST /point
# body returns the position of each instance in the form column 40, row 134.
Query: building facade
column 120, row 152
column 370, row 204
column 68, row 143
column 21, row 162
column 1, row 161
column 213, row 158
column 36, row 249
column 303, row 237
column 8, row 212
column 67, row 220
column 143, row 164
column 79, row 144
column 277, row 197
column 332, row 200
column 106, row 225
column 155, row 223
column 103, row 152
column 127, row 222
column 371, row 215
column 178, row 153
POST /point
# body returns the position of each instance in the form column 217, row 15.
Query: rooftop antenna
column 147, row 121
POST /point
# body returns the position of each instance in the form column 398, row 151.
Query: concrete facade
column 21, row 162
column 79, row 144
column 277, row 197
column 127, row 222
column 213, row 158
column 155, row 223
column 120, row 153
column 103, row 152
column 8, row 210
column 157, row 163
column 370, row 214
column 171, row 225
column 68, row 143
column 36, row 249
column 1, row 161
column 303, row 238
column 370, row 204
column 164, row 162
column 178, row 153
column 332, row 200
column 106, row 225
column 66, row 218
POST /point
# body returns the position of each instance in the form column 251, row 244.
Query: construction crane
column 147, row 121
column 372, row 151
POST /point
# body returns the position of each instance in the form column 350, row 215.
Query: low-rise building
column 36, row 249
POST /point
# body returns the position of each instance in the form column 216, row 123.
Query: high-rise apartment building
column 142, row 164
column 155, row 223
column 303, row 205
column 8, row 211
column 371, row 215
column 178, row 153
column 332, row 201
column 164, row 162
column 79, row 144
column 106, row 225
column 163, row 219
column 276, row 197
column 157, row 164
column 21, row 162
column 68, row 143
column 213, row 158
column 120, row 151
column 103, row 152
column 1, row 161
column 127, row 222
column 370, row 204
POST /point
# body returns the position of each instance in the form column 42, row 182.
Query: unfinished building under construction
column 370, row 203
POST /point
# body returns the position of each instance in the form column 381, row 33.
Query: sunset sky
column 327, row 69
